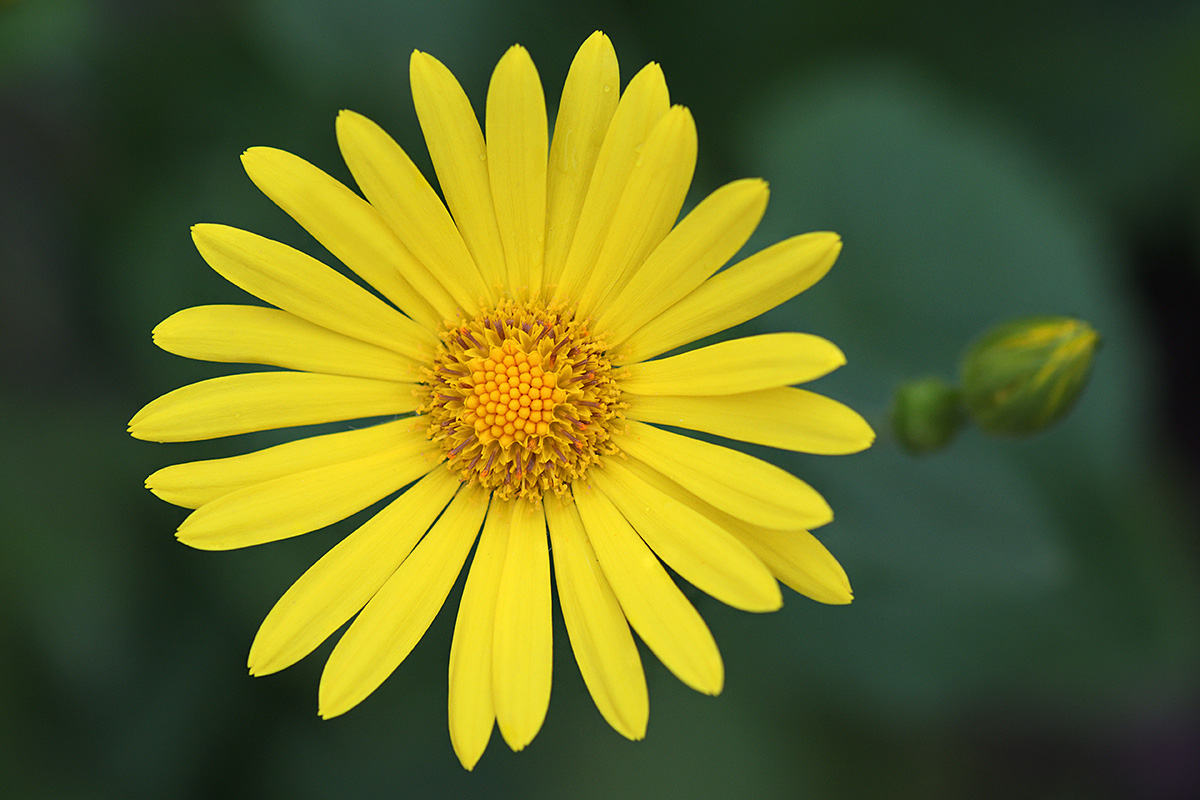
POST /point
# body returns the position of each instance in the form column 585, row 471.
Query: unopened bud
column 926, row 414
column 1023, row 376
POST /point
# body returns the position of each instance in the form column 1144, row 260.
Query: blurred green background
column 1026, row 621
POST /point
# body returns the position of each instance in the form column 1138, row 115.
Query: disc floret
column 521, row 398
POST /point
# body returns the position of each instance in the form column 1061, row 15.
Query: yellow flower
column 512, row 340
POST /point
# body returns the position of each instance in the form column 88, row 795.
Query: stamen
column 508, row 403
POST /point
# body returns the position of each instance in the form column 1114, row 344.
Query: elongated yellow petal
column 298, row 283
column 648, row 207
column 795, row 556
column 697, row 247
column 791, row 419
column 800, row 561
column 644, row 102
column 195, row 483
column 745, row 290
column 655, row 607
column 744, row 486
column 344, row 579
column 517, row 143
column 396, row 618
column 256, row 335
column 459, row 157
column 604, row 648
column 472, row 710
column 589, row 98
column 260, row 401
column 523, row 650
column 394, row 185
column 692, row 545
column 305, row 501
column 736, row 366
column 348, row 227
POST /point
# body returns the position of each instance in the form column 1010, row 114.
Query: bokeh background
column 1027, row 621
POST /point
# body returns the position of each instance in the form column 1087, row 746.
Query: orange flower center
column 511, row 397
column 521, row 398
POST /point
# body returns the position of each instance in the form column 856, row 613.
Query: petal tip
column 260, row 665
column 205, row 232
column 869, row 436
column 421, row 63
column 258, row 158
column 136, row 426
column 839, row 596
column 469, row 752
column 517, row 740
column 329, row 710
column 468, row 763
column 197, row 542
column 597, row 45
column 346, row 116
column 768, row 601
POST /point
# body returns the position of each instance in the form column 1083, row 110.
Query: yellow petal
column 648, row 207
column 256, row 335
column 260, row 401
column 523, row 651
column 396, row 618
column 472, row 710
column 744, row 486
column 459, row 157
column 589, row 98
column 742, row 292
column 655, row 607
column 795, row 557
column 517, row 141
column 791, row 419
column 800, row 561
column 195, row 483
column 604, row 648
column 298, row 283
column 644, row 102
column 700, row 551
column 697, row 247
column 344, row 579
column 348, row 227
column 394, row 185
column 305, row 501
column 735, row 366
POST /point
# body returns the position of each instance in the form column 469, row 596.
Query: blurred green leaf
column 981, row 568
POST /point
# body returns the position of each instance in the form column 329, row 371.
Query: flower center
column 522, row 399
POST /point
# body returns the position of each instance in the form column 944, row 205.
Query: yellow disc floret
column 521, row 398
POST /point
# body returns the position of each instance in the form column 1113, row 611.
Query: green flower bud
column 926, row 415
column 1025, row 375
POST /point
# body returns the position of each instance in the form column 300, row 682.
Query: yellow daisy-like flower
column 511, row 335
